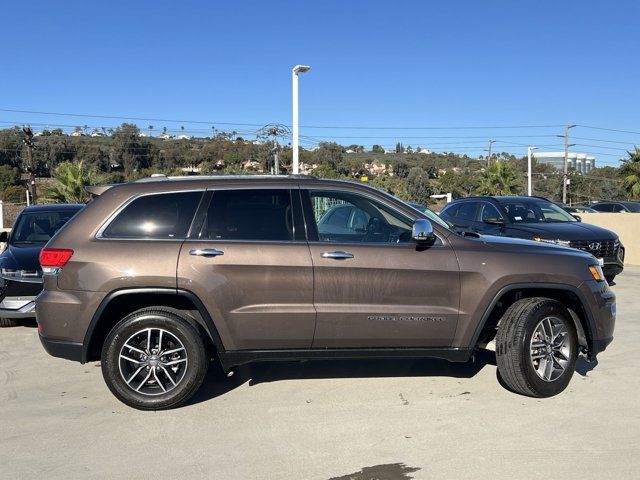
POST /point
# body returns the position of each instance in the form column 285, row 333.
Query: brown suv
column 156, row 278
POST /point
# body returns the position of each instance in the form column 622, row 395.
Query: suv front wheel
column 154, row 359
column 536, row 347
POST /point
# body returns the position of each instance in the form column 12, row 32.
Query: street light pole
column 565, row 170
column 294, row 87
column 529, row 188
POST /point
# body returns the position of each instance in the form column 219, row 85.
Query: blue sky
column 374, row 64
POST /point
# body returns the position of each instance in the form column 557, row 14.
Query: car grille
column 598, row 248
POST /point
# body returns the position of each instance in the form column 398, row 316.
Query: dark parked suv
column 20, row 273
column 155, row 279
column 537, row 219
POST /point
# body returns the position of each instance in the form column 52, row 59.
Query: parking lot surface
column 360, row 420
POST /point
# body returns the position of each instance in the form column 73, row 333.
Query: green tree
column 8, row 176
column 499, row 178
column 377, row 149
column 630, row 171
column 418, row 187
column 70, row 180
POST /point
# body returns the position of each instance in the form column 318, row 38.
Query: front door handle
column 337, row 255
column 206, row 252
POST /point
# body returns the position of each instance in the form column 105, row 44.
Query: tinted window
column 39, row 227
column 603, row 207
column 249, row 215
column 467, row 211
column 346, row 217
column 633, row 207
column 166, row 215
column 489, row 211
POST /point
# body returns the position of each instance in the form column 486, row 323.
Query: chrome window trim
column 372, row 197
column 100, row 233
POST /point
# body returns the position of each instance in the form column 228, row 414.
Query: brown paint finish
column 260, row 294
column 385, row 296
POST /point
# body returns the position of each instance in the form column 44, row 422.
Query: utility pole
column 28, row 141
column 489, row 156
column 271, row 133
column 529, row 183
column 565, row 169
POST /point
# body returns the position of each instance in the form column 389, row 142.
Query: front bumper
column 601, row 312
column 18, row 307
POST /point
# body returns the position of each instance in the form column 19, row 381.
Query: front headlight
column 556, row 241
column 596, row 271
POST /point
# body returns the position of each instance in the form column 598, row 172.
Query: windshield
column 535, row 211
column 38, row 227
column 431, row 214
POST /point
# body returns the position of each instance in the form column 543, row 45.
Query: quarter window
column 158, row 216
column 346, row 217
column 249, row 215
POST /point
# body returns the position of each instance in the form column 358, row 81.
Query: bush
column 14, row 194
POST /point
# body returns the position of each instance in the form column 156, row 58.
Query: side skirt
column 234, row 358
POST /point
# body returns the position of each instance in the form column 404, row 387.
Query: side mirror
column 423, row 231
column 577, row 217
column 4, row 236
column 493, row 221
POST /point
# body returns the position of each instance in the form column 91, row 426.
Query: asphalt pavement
column 347, row 420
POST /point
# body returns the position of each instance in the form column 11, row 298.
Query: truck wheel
column 8, row 322
column 536, row 347
column 154, row 359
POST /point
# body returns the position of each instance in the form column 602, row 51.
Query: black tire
column 8, row 322
column 195, row 368
column 513, row 342
column 610, row 278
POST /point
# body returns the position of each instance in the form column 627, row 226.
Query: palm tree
column 70, row 180
column 499, row 178
column 630, row 171
column 150, row 129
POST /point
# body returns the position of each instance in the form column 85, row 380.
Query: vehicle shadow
column 216, row 383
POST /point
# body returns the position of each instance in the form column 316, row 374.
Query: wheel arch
column 119, row 303
column 568, row 295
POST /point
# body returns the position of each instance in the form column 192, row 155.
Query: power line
column 609, row 129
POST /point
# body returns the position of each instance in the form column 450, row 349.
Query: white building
column 580, row 162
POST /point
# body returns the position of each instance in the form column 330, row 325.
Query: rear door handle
column 206, row 252
column 337, row 255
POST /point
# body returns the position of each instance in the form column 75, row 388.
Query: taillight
column 53, row 259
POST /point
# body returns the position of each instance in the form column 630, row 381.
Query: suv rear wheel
column 536, row 347
column 154, row 359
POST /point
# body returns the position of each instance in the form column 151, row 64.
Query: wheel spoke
column 538, row 355
column 149, row 340
column 174, row 362
column 175, row 350
column 143, row 381
column 135, row 349
column 137, row 362
column 548, row 370
column 134, row 375
column 160, row 341
column 158, row 380
column 166, row 372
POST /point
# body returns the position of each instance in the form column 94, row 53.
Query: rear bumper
column 61, row 349
column 18, row 307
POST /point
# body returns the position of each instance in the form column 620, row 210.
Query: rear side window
column 160, row 216
column 466, row 211
column 261, row 214
column 603, row 207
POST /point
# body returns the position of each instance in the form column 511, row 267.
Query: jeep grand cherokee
column 155, row 279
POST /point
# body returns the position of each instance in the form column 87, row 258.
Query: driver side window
column 343, row 217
